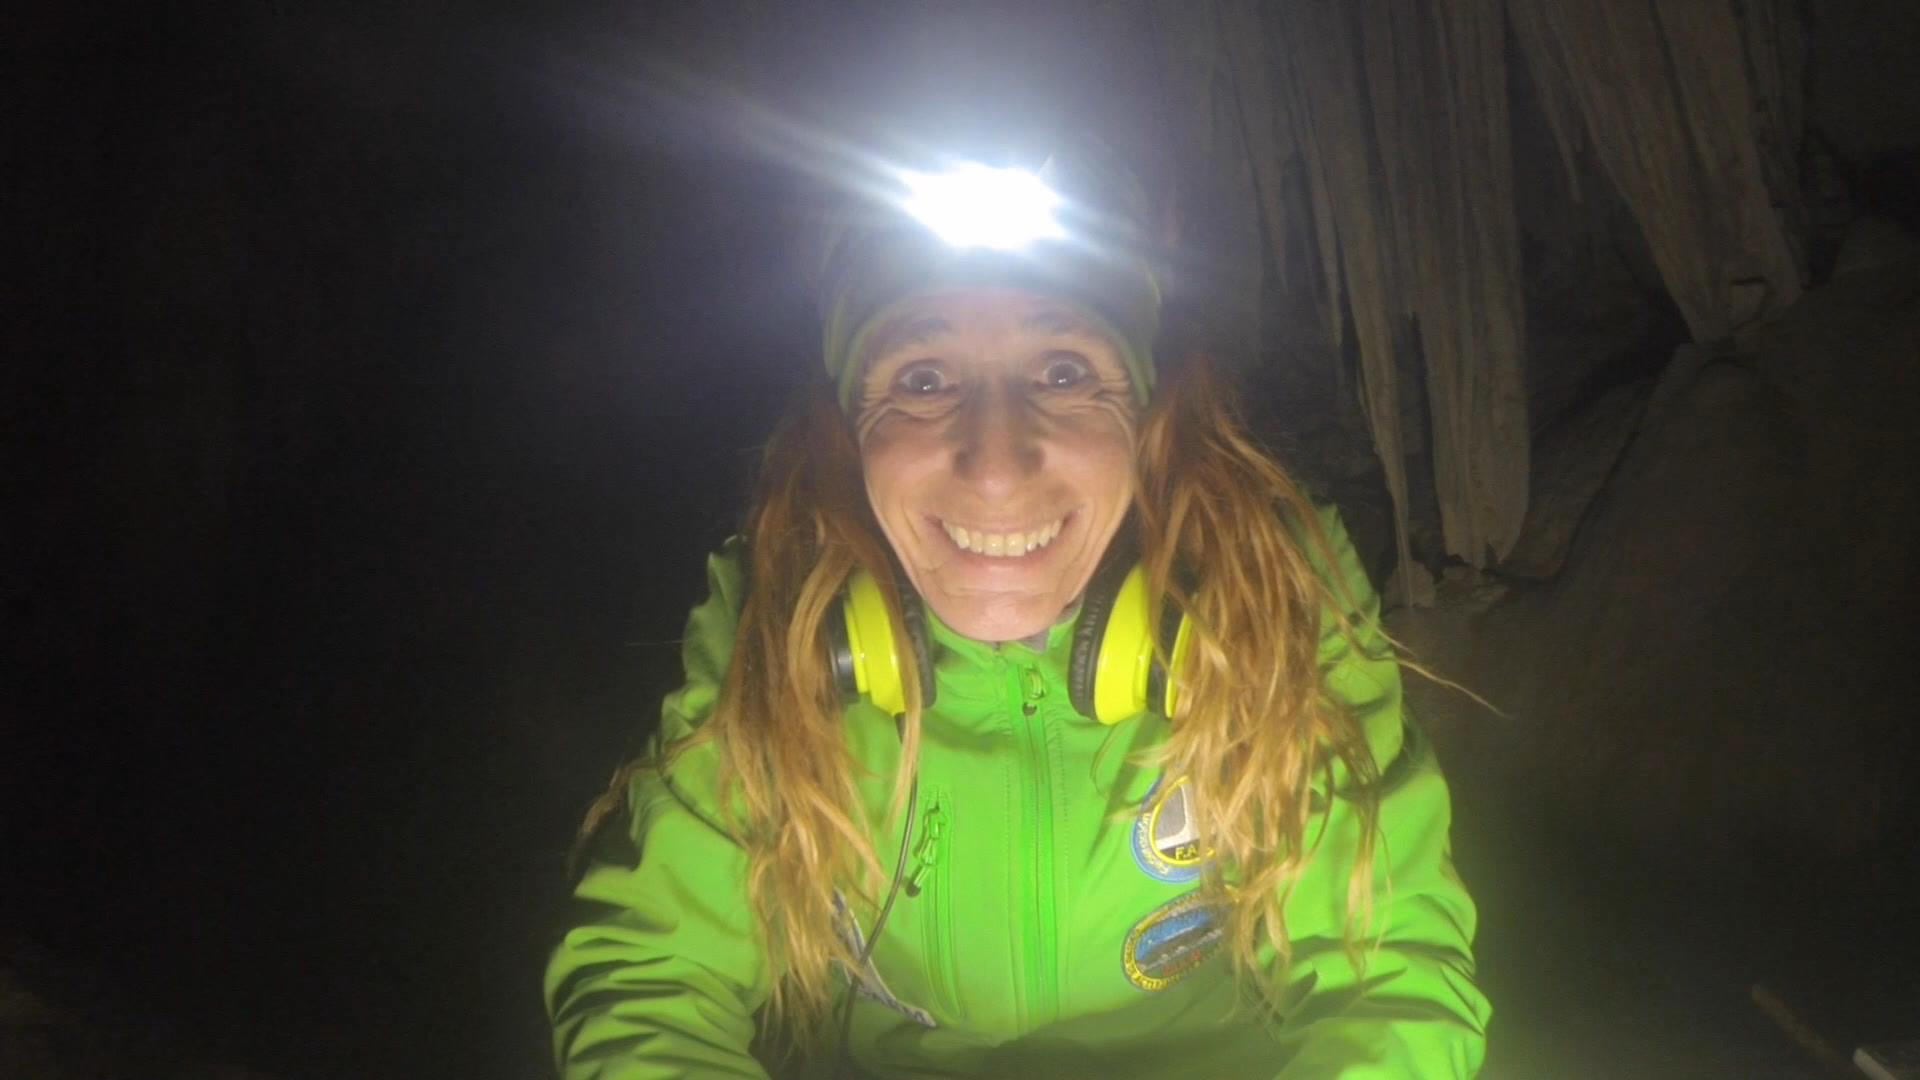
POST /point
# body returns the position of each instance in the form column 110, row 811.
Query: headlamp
column 1074, row 229
column 976, row 206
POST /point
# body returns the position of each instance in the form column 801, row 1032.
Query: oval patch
column 1165, row 842
column 1169, row 943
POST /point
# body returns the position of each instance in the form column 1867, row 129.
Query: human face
column 997, row 432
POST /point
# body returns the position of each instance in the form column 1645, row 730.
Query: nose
column 997, row 446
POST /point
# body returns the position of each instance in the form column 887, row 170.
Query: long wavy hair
column 1253, row 728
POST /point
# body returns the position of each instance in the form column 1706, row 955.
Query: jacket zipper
column 1041, row 998
column 930, row 876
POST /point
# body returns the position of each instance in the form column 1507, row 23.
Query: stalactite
column 1552, row 87
column 1664, row 95
column 1710, row 65
column 1437, row 86
column 1397, row 113
column 1324, row 69
column 1268, row 122
column 1776, row 61
column 1472, row 325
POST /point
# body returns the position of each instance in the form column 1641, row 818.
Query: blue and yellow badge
column 1166, row 842
column 1169, row 943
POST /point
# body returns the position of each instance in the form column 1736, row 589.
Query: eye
column 922, row 380
column 1065, row 371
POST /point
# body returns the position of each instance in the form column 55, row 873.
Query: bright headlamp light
column 1075, row 229
column 974, row 206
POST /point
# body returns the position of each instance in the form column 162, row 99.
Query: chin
column 997, row 620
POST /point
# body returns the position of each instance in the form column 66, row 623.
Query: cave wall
column 1721, row 671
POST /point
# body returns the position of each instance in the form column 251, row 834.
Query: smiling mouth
column 1003, row 545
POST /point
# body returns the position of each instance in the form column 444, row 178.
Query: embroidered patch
column 1165, row 842
column 870, row 984
column 1171, row 941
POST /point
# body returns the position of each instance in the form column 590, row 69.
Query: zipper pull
column 1033, row 688
column 933, row 828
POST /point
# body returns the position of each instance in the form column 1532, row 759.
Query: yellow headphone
column 1112, row 674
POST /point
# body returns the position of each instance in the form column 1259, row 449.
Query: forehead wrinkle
column 909, row 332
column 1058, row 321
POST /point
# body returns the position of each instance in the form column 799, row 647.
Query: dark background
column 376, row 381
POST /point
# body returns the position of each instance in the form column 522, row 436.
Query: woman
column 1037, row 726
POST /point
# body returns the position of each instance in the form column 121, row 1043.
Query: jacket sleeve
column 661, row 972
column 1411, row 1007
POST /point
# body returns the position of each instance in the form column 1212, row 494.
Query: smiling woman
column 1055, row 733
column 997, row 436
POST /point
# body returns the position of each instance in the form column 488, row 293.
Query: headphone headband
column 1114, row 671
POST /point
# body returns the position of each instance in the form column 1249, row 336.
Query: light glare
column 977, row 206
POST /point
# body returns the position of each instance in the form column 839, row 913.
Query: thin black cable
column 879, row 924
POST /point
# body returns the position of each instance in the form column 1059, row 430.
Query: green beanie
column 1100, row 266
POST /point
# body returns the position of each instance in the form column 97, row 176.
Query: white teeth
column 1003, row 545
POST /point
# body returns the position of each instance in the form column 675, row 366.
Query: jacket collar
column 1058, row 645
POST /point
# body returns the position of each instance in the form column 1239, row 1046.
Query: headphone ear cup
column 1086, row 651
column 1091, row 669
column 874, row 656
column 840, row 656
column 869, row 661
column 1115, row 671
column 915, row 618
column 1175, row 640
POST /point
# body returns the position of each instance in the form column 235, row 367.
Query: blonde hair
column 1253, row 728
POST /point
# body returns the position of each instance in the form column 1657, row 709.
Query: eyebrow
column 928, row 328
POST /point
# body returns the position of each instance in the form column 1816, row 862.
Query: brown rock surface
column 1703, row 777
column 1570, row 464
column 1724, row 657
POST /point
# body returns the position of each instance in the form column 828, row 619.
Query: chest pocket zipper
column 929, row 884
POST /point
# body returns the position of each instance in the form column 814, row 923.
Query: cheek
column 892, row 461
column 1104, row 447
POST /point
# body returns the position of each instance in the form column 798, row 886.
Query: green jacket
column 1051, row 927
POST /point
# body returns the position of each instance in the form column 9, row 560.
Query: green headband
column 1100, row 265
column 877, row 271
